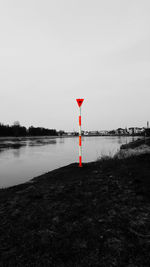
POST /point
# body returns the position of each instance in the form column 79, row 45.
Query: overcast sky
column 54, row 51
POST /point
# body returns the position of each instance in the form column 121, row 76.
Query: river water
column 24, row 158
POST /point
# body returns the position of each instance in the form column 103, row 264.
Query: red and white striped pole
column 80, row 101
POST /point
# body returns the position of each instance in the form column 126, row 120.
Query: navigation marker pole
column 80, row 101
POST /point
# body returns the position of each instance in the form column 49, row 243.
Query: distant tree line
column 17, row 130
column 34, row 131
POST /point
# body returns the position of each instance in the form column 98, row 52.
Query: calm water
column 25, row 158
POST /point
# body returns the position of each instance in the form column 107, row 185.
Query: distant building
column 135, row 130
column 93, row 133
column 104, row 132
column 112, row 132
column 120, row 131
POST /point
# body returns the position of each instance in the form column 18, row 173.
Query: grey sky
column 54, row 51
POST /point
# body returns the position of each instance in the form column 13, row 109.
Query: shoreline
column 63, row 136
column 135, row 148
column 90, row 216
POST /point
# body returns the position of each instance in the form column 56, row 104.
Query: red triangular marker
column 80, row 101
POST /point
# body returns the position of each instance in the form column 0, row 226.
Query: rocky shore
column 98, row 215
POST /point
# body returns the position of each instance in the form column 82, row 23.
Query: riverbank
column 97, row 215
column 137, row 147
column 137, row 143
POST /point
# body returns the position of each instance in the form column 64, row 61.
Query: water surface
column 24, row 158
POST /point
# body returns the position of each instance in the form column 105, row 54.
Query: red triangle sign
column 80, row 101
